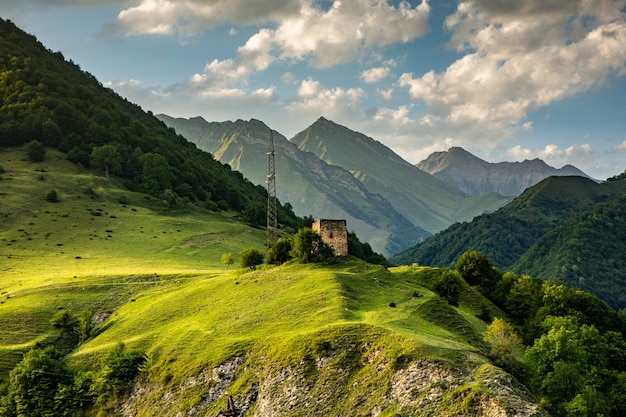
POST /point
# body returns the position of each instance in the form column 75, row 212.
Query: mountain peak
column 475, row 176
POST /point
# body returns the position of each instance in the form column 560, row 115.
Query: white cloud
column 621, row 147
column 304, row 30
column 193, row 16
column 518, row 57
column 374, row 74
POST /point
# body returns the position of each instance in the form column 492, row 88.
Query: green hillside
column 151, row 276
column 505, row 235
column 586, row 251
column 539, row 233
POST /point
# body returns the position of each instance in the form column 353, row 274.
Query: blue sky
column 507, row 80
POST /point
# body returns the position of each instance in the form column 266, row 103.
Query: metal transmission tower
column 272, row 219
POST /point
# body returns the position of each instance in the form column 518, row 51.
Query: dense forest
column 574, row 353
column 46, row 100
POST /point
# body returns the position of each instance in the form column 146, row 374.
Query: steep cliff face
column 475, row 176
column 362, row 381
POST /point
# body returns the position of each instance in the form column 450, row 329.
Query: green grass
column 153, row 278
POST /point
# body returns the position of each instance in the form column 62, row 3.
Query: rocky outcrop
column 328, row 386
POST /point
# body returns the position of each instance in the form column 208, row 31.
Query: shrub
column 52, row 196
column 35, row 151
column 250, row 258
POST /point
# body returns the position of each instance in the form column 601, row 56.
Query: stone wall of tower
column 334, row 233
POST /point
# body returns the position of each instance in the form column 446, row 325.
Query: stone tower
column 334, row 233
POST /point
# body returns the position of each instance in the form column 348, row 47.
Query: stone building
column 334, row 233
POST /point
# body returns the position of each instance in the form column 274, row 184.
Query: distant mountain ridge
column 309, row 184
column 328, row 170
column 475, row 176
column 387, row 201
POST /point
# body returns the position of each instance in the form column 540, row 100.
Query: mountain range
column 475, row 176
column 330, row 171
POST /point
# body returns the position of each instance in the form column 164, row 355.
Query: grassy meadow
column 152, row 277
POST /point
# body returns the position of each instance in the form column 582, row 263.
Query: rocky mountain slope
column 475, row 176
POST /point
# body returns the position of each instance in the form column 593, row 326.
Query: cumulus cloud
column 193, row 16
column 303, row 30
column 374, row 74
column 518, row 57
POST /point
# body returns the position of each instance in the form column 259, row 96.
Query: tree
column 109, row 157
column 84, row 325
column 476, row 270
column 64, row 320
column 504, row 342
column 120, row 367
column 156, row 175
column 250, row 258
column 255, row 213
column 36, row 386
column 35, row 151
column 227, row 259
column 279, row 253
column 308, row 246
column 449, row 286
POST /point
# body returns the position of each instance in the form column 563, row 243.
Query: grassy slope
column 63, row 255
column 156, row 281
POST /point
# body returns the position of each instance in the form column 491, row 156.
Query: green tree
column 109, row 157
column 449, row 287
column 476, row 270
column 64, row 320
column 255, row 213
column 227, row 259
column 279, row 253
column 156, row 174
column 35, row 151
column 119, row 369
column 84, row 325
column 250, row 258
column 308, row 246
column 36, row 386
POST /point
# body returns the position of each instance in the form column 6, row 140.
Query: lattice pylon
column 272, row 218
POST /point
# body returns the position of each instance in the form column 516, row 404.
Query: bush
column 449, row 287
column 35, row 151
column 250, row 258
column 52, row 196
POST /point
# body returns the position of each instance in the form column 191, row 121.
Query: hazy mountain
column 311, row 185
column 475, row 176
column 423, row 199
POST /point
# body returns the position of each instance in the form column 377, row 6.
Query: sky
column 507, row 80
